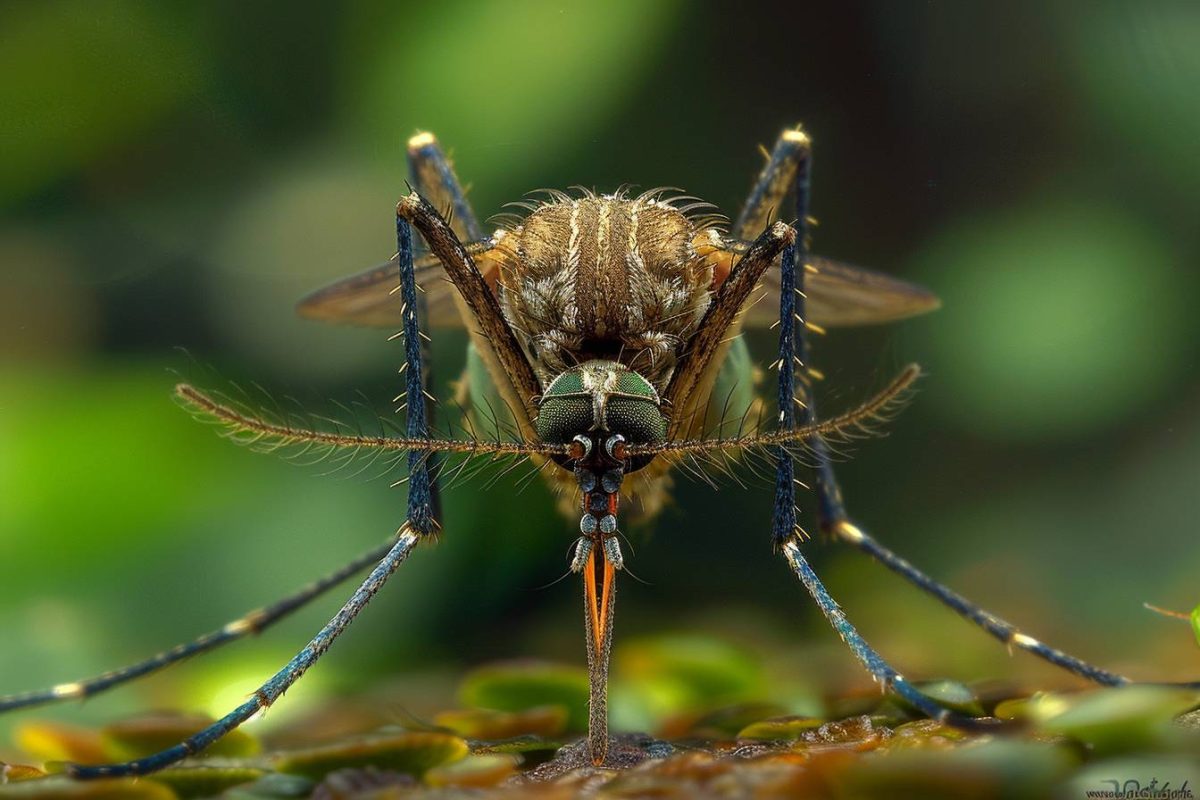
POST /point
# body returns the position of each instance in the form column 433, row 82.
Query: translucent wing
column 844, row 295
column 368, row 298
column 838, row 295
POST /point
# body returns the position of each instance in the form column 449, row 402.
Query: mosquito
column 608, row 327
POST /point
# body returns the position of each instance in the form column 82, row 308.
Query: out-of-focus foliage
column 82, row 81
column 1061, row 277
column 173, row 176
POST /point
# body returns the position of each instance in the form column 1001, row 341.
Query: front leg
column 432, row 173
column 699, row 363
column 419, row 523
column 772, row 191
column 512, row 373
column 884, row 674
column 786, row 532
column 835, row 520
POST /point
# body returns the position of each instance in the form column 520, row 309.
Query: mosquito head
column 601, row 402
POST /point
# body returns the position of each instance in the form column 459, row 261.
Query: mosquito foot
column 624, row 750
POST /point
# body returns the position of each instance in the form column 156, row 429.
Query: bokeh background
column 173, row 176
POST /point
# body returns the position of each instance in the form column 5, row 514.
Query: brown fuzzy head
column 608, row 277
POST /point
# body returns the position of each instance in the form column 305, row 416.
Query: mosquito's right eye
column 560, row 419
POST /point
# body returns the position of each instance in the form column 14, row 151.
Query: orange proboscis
column 598, row 607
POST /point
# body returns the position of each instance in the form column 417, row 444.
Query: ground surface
column 1141, row 741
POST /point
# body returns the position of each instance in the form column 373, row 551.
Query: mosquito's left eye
column 639, row 421
column 635, row 413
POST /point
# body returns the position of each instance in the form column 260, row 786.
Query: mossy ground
column 519, row 736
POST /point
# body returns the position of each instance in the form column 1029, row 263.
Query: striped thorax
column 606, row 277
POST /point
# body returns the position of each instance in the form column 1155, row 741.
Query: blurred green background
column 173, row 176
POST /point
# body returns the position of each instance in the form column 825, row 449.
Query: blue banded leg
column 887, row 677
column 432, row 175
column 420, row 491
column 791, row 339
column 261, row 619
column 251, row 624
column 786, row 533
column 419, row 523
column 841, row 527
column 270, row 691
column 785, row 525
column 831, row 511
column 772, row 191
column 848, row 532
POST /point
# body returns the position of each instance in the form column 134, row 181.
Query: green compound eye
column 634, row 412
column 629, row 403
column 639, row 421
column 629, row 382
column 560, row 419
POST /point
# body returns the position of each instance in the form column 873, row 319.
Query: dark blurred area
column 174, row 176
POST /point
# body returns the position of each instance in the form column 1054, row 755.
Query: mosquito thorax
column 599, row 400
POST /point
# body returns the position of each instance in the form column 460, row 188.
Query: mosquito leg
column 787, row 535
column 840, row 526
column 831, row 511
column 772, row 189
column 432, row 174
column 420, row 489
column 832, row 516
column 886, row 675
column 270, row 691
column 253, row 623
column 791, row 346
column 722, row 313
column 848, row 532
column 786, row 532
column 419, row 523
column 480, row 300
